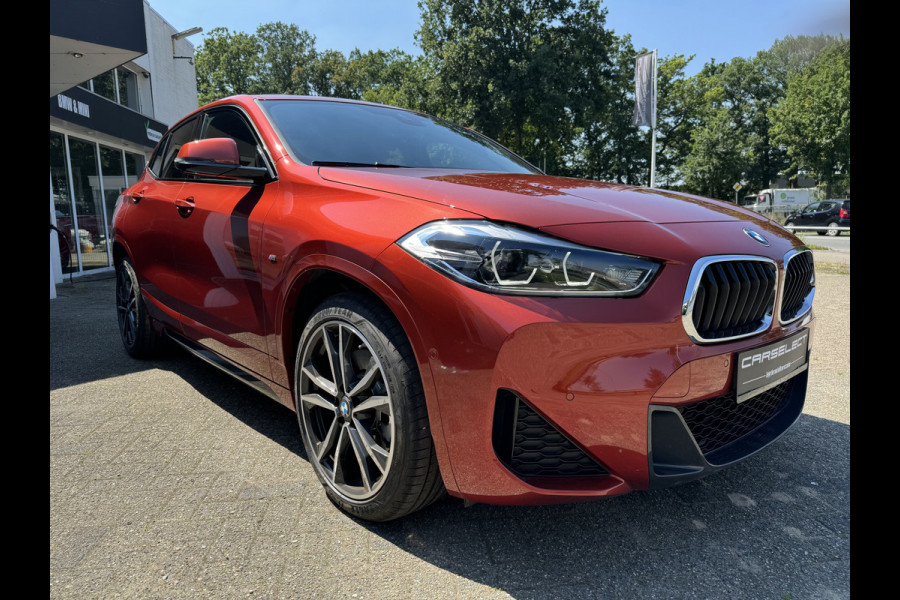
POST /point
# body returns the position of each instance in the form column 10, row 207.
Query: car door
column 806, row 215
column 826, row 213
column 152, row 232
column 217, row 250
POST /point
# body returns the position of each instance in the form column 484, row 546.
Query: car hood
column 540, row 201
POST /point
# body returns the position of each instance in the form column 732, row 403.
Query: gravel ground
column 170, row 480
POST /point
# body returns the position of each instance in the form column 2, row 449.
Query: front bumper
column 607, row 380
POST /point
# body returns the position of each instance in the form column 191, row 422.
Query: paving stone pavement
column 170, row 480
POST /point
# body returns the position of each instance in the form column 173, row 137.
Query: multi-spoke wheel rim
column 126, row 305
column 345, row 410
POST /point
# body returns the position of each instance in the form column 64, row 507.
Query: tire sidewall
column 125, row 265
column 352, row 312
column 146, row 340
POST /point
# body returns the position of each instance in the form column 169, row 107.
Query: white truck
column 778, row 203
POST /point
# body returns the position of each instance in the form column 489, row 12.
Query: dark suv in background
column 828, row 215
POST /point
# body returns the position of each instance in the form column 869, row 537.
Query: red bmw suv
column 443, row 316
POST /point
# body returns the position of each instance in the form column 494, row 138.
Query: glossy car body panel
column 237, row 266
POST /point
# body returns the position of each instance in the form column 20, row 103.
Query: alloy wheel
column 345, row 410
column 126, row 306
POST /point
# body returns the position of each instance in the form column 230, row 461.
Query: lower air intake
column 531, row 447
column 717, row 422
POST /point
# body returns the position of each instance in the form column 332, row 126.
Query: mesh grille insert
column 717, row 422
column 531, row 447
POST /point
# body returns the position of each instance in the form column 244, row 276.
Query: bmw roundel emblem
column 756, row 236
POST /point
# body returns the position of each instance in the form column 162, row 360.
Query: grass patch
column 832, row 268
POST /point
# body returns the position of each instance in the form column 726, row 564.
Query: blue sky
column 719, row 29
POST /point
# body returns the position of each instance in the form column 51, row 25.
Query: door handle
column 185, row 206
column 138, row 196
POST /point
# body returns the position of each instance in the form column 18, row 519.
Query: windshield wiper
column 340, row 163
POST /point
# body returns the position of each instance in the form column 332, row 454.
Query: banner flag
column 644, row 88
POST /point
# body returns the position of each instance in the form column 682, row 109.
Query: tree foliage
column 548, row 79
column 227, row 63
column 525, row 72
column 282, row 59
column 813, row 120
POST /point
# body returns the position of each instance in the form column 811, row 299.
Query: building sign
column 81, row 107
column 152, row 134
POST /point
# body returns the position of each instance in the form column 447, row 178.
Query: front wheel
column 362, row 411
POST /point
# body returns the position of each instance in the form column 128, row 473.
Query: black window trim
column 199, row 120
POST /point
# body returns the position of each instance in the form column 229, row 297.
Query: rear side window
column 163, row 164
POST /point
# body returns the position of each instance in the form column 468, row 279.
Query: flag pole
column 653, row 129
column 645, row 102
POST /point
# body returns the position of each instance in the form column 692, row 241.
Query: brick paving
column 170, row 480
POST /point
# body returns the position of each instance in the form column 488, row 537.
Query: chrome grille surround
column 696, row 288
column 794, row 286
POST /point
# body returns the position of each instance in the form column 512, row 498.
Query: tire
column 362, row 413
column 833, row 230
column 138, row 336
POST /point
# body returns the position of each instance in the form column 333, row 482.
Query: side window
column 169, row 148
column 812, row 208
column 227, row 123
column 156, row 160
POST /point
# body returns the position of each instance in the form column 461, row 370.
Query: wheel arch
column 319, row 277
column 119, row 252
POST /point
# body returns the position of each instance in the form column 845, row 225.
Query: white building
column 120, row 75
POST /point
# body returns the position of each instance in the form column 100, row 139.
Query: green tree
column 812, row 122
column 396, row 78
column 683, row 105
column 287, row 56
column 747, row 89
column 610, row 148
column 717, row 159
column 790, row 55
column 517, row 70
column 227, row 63
column 329, row 75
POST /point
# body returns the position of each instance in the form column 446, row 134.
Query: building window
column 128, row 94
column 118, row 85
column 85, row 180
column 62, row 201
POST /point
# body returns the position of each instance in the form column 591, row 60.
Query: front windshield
column 345, row 134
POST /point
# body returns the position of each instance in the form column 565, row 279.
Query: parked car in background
column 442, row 315
column 824, row 217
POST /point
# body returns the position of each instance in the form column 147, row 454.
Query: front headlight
column 505, row 260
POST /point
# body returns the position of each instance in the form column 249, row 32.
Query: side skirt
column 215, row 360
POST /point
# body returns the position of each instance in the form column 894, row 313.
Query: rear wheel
column 138, row 336
column 833, row 229
column 362, row 411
